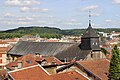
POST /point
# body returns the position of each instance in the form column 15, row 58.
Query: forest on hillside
column 48, row 32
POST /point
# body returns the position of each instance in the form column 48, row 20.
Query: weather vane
column 89, row 18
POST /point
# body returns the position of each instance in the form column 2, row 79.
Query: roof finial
column 89, row 18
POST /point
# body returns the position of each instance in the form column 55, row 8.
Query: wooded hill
column 47, row 32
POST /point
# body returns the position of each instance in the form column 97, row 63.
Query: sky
column 63, row 14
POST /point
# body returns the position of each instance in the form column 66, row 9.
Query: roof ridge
column 88, row 70
column 23, row 68
column 82, row 74
column 28, row 68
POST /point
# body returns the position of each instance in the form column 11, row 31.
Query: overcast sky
column 63, row 14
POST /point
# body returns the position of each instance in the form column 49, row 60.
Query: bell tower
column 90, row 40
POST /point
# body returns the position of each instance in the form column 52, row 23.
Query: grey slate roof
column 89, row 33
column 59, row 49
column 73, row 52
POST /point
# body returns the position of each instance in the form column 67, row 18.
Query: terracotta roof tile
column 4, row 49
column 35, row 72
column 51, row 59
column 12, row 40
column 98, row 67
column 109, row 56
column 33, row 59
column 3, row 42
column 72, row 75
column 24, row 59
column 3, row 74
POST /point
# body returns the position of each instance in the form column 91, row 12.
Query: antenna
column 89, row 18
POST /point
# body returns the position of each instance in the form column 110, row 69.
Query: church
column 88, row 49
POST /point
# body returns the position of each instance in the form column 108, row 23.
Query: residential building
column 37, row 72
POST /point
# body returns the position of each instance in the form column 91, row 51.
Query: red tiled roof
column 51, row 59
column 98, row 67
column 3, row 42
column 3, row 74
column 33, row 58
column 11, row 40
column 35, row 72
column 29, row 57
column 72, row 75
column 4, row 49
column 109, row 56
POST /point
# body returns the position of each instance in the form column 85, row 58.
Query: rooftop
column 89, row 33
column 99, row 68
column 32, row 59
column 61, row 50
column 72, row 75
column 35, row 72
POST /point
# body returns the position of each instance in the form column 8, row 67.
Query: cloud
column 92, row 7
column 24, row 19
column 13, row 2
column 41, row 22
column 116, row 1
column 23, row 23
column 25, row 9
column 108, row 20
column 21, row 2
column 39, row 10
column 9, row 15
column 95, row 14
column 72, row 22
column 6, row 22
column 113, row 22
column 29, row 9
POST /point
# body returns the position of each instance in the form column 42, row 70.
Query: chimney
column 54, row 61
column 19, row 64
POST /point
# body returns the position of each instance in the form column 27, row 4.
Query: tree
column 104, row 51
column 114, row 71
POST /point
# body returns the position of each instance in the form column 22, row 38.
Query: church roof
column 51, row 48
column 89, row 32
column 61, row 50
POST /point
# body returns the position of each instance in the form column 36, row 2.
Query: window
column 93, row 43
column 96, row 43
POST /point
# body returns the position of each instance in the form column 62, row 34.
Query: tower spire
column 89, row 18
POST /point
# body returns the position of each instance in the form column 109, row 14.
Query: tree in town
column 114, row 70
